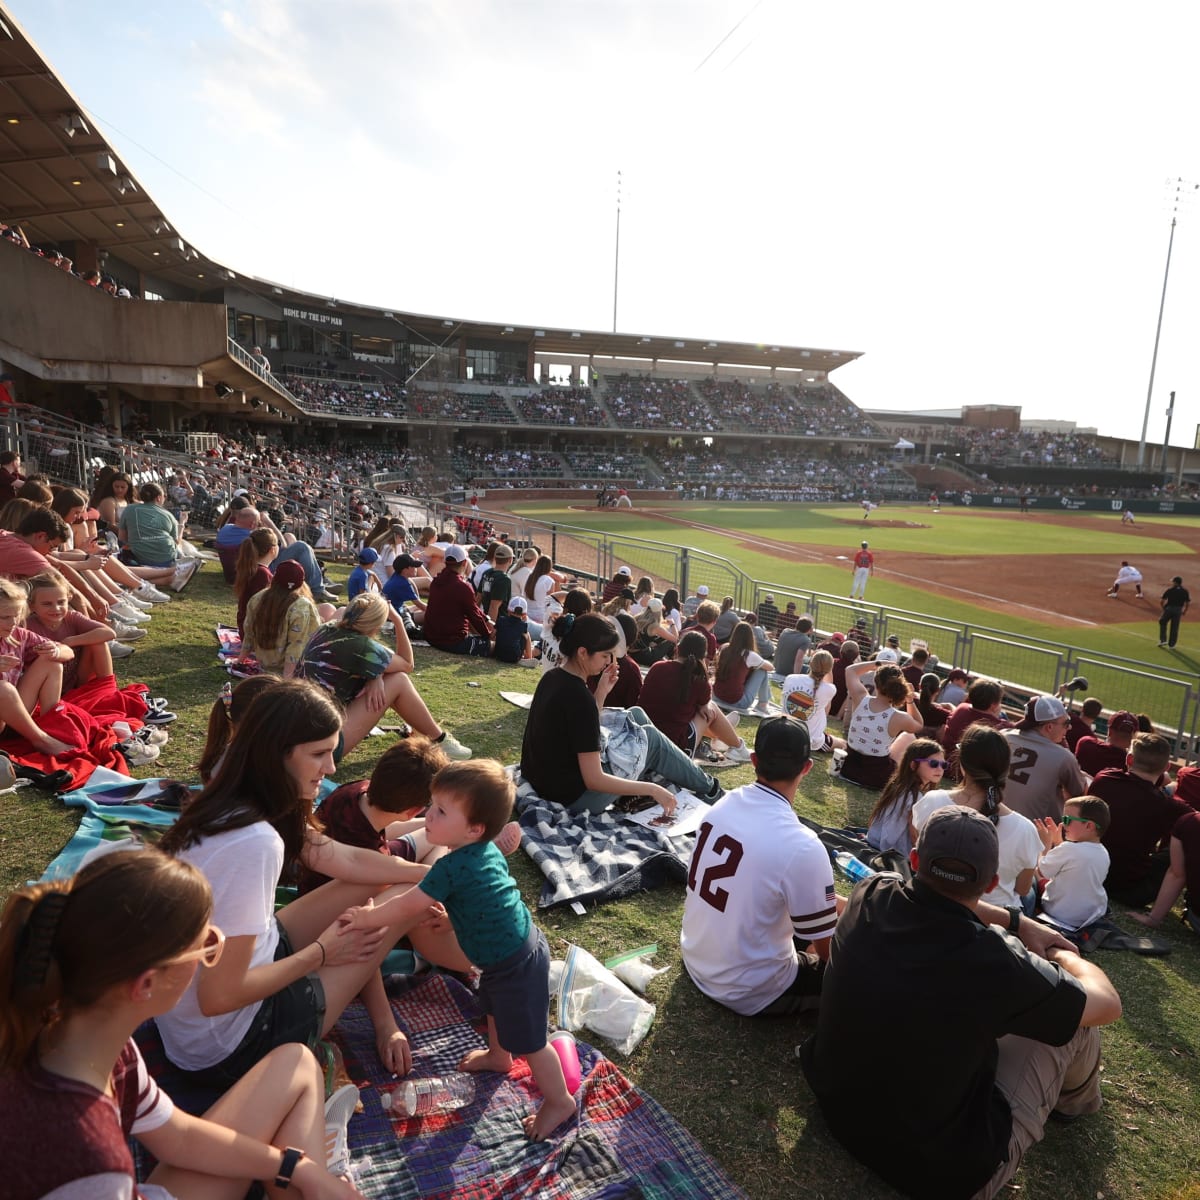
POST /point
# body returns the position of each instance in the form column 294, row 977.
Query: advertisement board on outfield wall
column 1189, row 508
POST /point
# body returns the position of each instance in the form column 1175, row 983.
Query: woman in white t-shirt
column 807, row 698
column 539, row 587
column 523, row 569
column 983, row 757
column 286, row 976
column 671, row 614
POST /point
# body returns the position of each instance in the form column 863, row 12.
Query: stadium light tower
column 617, row 253
column 1181, row 192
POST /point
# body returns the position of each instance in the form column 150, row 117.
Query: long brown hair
column 64, row 944
column 733, row 654
column 904, row 786
column 265, row 621
column 250, row 551
column 543, row 566
column 691, row 652
column 224, row 717
column 253, row 784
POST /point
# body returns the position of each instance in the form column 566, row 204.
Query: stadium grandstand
column 112, row 318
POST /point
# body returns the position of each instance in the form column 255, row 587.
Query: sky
column 976, row 197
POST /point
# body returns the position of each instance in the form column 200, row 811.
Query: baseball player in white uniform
column 758, row 879
column 1127, row 574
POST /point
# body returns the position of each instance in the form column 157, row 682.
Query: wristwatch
column 291, row 1156
column 1014, row 917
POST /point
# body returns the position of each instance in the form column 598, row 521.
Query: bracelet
column 322, row 947
column 291, row 1156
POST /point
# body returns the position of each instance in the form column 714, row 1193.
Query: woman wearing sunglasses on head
column 84, row 962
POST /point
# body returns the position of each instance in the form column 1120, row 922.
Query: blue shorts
column 515, row 993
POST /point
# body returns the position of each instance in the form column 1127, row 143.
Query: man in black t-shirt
column 1175, row 601
column 997, row 1031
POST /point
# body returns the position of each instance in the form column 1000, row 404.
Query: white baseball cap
column 702, row 590
column 456, row 553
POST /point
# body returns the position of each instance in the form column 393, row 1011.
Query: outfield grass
column 734, row 1083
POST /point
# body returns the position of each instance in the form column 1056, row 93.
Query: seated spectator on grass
column 954, row 690
column 628, row 687
column 495, row 585
column 692, row 603
column 919, row 769
column 1074, row 865
column 362, row 578
column 243, row 519
column 742, row 678
column 677, row 696
column 1141, row 818
column 845, row 655
column 726, row 621
column 917, row 666
column 876, row 721
column 26, row 552
column 613, row 588
column 280, row 619
column 400, row 591
column 576, row 603
column 792, row 648
column 1183, row 872
column 934, row 715
column 760, row 885
column 807, row 697
column 1044, row 772
column 653, row 640
column 111, row 496
column 253, row 570
column 1002, row 1026
column 50, row 617
column 704, row 620
column 452, row 612
column 981, row 707
column 10, row 474
column 345, row 659
column 150, row 537
column 542, row 585
column 85, row 962
column 1094, row 755
column 513, row 641
column 561, row 751
column 762, row 643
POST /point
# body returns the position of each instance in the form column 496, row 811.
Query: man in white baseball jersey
column 758, row 883
column 1127, row 574
column 1042, row 772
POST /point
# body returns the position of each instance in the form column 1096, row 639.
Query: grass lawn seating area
column 736, row 1084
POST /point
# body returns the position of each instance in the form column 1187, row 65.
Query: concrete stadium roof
column 62, row 183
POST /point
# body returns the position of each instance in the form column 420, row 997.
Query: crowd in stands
column 610, row 464
column 345, row 399
column 515, row 465
column 639, row 402
column 100, row 280
column 561, row 406
column 775, row 408
column 1029, row 447
column 471, row 407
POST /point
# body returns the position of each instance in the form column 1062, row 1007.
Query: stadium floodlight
column 106, row 163
column 222, row 390
column 255, row 402
column 73, row 123
column 126, row 184
column 160, row 226
column 5, row 32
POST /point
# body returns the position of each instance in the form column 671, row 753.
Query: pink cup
column 568, row 1054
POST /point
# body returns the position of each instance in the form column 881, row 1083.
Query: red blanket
column 73, row 725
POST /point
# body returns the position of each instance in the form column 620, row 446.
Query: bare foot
column 486, row 1060
column 508, row 839
column 1144, row 919
column 548, row 1118
column 52, row 746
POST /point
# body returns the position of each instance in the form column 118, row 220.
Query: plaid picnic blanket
column 599, row 857
column 625, row 1144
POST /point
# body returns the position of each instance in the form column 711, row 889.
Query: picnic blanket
column 598, row 857
column 77, row 727
column 625, row 1145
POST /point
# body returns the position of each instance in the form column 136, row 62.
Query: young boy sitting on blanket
column 470, row 805
column 1074, row 865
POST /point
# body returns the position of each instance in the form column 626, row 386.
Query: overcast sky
column 974, row 196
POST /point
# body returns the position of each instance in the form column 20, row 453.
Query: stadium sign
column 316, row 318
column 1075, row 503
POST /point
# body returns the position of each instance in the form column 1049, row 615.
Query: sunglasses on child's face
column 1068, row 819
column 934, row 762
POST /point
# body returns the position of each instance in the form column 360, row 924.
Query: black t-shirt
column 1175, row 597
column 563, row 723
column 495, row 585
column 916, row 978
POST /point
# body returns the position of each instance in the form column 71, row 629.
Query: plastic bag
column 590, row 994
column 633, row 969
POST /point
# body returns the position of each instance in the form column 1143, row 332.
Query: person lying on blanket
column 561, row 750
column 30, row 672
column 286, row 976
column 471, row 803
column 83, row 962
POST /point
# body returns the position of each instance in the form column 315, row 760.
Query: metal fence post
column 684, row 589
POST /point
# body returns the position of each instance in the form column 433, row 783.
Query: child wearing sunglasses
column 919, row 770
column 1074, row 864
column 83, row 962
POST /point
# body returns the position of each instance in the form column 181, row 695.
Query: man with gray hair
column 999, row 1017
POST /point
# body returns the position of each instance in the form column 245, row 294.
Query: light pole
column 1181, row 191
column 1167, row 441
column 617, row 253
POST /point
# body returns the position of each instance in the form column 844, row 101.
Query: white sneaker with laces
column 151, row 594
column 139, row 755
column 126, row 633
column 454, row 749
column 119, row 649
column 183, row 575
column 128, row 614
column 739, row 753
column 135, row 601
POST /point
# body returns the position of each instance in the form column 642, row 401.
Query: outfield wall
column 1105, row 504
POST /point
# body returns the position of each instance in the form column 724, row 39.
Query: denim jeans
column 758, row 689
column 302, row 553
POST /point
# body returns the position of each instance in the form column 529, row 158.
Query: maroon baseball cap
column 1123, row 722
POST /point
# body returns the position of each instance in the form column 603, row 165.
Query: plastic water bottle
column 853, row 868
column 567, row 1050
column 420, row 1097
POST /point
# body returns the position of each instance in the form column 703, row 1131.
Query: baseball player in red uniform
column 863, row 564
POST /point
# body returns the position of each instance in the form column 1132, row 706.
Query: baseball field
column 1043, row 574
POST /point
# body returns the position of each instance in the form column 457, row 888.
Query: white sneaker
column 119, row 649
column 733, row 717
column 128, row 614
column 183, row 575
column 151, row 736
column 738, row 754
column 149, row 593
column 135, row 601
column 126, row 633
column 339, row 1108
column 139, row 755
column 454, row 749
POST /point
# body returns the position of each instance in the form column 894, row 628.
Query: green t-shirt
column 485, row 906
column 495, row 585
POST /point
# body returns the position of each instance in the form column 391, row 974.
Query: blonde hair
column 12, row 592
column 365, row 614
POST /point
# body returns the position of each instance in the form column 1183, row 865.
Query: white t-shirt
column 242, row 866
column 753, row 869
column 1020, row 845
column 518, row 578
column 1075, row 895
column 537, row 602
column 809, row 702
column 674, row 618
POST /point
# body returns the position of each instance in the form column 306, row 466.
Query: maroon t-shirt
column 627, row 689
column 1095, row 756
column 961, row 719
column 1187, row 830
column 661, row 703
column 453, row 612
column 259, row 582
column 708, row 633
column 1078, row 728
column 1141, row 819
